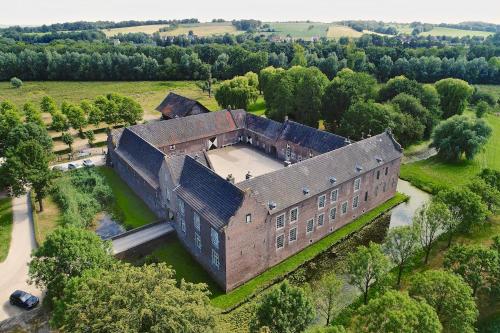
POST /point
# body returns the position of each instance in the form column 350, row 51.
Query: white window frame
column 248, row 218
column 307, row 226
column 182, row 215
column 290, row 240
column 197, row 240
column 277, row 218
column 330, row 214
column 297, row 217
column 322, row 215
column 357, row 184
column 196, row 221
column 215, row 259
column 323, row 196
column 214, row 236
column 355, row 202
column 282, row 236
column 346, row 205
column 336, row 191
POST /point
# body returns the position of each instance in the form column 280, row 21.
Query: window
column 215, row 258
column 293, row 235
column 357, row 184
column 310, row 226
column 196, row 221
column 288, row 151
column 181, row 207
column 378, row 174
column 385, row 187
column 182, row 216
column 321, row 220
column 355, row 202
column 197, row 240
column 248, row 218
column 280, row 242
column 344, row 208
column 294, row 214
column 334, row 195
column 386, row 170
column 300, row 158
column 321, row 201
column 280, row 221
column 215, row 238
column 333, row 213
column 182, row 222
column 366, row 196
column 169, row 194
column 171, row 147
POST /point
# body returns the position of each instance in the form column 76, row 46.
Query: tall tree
column 237, row 93
column 395, row 311
column 365, row 118
column 68, row 139
column 32, row 114
column 454, row 94
column 48, row 105
column 9, row 118
column 284, row 309
column 449, row 296
column 400, row 244
column 60, row 122
column 327, row 296
column 365, row 266
column 76, row 116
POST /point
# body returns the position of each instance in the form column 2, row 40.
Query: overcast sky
column 35, row 12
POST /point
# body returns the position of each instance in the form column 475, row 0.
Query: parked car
column 73, row 166
column 23, row 299
column 88, row 163
column 59, row 168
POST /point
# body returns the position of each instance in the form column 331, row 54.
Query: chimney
column 230, row 178
column 286, row 118
column 248, row 175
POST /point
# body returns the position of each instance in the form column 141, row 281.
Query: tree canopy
column 454, row 94
column 238, row 92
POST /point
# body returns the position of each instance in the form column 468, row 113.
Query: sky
column 36, row 12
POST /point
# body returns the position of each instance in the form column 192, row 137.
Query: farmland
column 441, row 31
column 203, row 29
column 147, row 29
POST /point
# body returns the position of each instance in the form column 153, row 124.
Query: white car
column 88, row 163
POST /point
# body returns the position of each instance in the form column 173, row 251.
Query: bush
column 481, row 109
column 16, row 83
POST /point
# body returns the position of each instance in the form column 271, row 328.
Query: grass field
column 147, row 29
column 337, row 31
column 46, row 221
column 433, row 173
column 442, row 31
column 203, row 29
column 132, row 211
column 5, row 226
column 300, row 29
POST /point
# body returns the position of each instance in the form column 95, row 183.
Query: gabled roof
column 269, row 128
column 175, row 163
column 173, row 131
column 284, row 187
column 216, row 199
column 145, row 159
column 177, row 106
column 317, row 140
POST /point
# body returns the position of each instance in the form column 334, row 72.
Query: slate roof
column 285, row 186
column 173, row 131
column 317, row 140
column 269, row 128
column 216, row 199
column 174, row 106
column 175, row 164
column 143, row 157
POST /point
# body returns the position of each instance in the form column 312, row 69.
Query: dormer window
column 248, row 218
column 171, row 147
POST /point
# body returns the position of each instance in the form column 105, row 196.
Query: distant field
column 441, row 31
column 300, row 29
column 148, row 29
column 337, row 31
column 203, row 29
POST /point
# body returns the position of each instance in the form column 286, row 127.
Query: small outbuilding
column 177, row 106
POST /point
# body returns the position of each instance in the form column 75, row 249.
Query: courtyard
column 240, row 159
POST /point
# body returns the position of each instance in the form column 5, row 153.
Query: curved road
column 14, row 270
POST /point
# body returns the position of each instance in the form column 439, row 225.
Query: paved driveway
column 14, row 270
column 99, row 160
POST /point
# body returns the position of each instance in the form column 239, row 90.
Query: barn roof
column 312, row 138
column 269, row 128
column 177, row 106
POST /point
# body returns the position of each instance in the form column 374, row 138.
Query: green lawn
column 442, row 31
column 259, row 107
column 48, row 220
column 132, row 210
column 300, row 29
column 5, row 226
column 434, row 173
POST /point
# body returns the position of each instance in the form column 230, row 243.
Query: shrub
column 16, row 83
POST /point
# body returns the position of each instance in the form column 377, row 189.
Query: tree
column 468, row 207
column 29, row 131
column 429, row 221
column 482, row 108
column 9, row 118
column 48, row 105
column 299, row 58
column 237, row 93
column 75, row 115
column 400, row 243
column 342, row 92
column 395, row 311
column 125, row 298
column 449, row 296
column 411, row 106
column 491, row 177
column 16, row 82
column 130, row 111
column 327, row 296
column 60, row 122
column 365, row 266
column 453, row 94
column 32, row 114
column 460, row 135
column 473, row 263
column 364, row 118
column 68, row 139
column 284, row 309
column 66, row 253
column 399, row 85
column 27, row 165
column 488, row 193
column 90, row 137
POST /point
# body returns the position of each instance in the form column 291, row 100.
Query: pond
column 403, row 214
column 106, row 227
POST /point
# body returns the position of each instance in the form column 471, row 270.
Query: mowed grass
column 48, row 220
column 203, row 29
column 433, row 173
column 147, row 29
column 132, row 211
column 337, row 31
column 300, row 29
column 442, row 31
column 5, row 226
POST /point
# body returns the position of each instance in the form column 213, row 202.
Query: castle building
column 245, row 192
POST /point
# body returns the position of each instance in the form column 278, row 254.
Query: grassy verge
column 278, row 272
column 129, row 207
column 45, row 222
column 5, row 226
